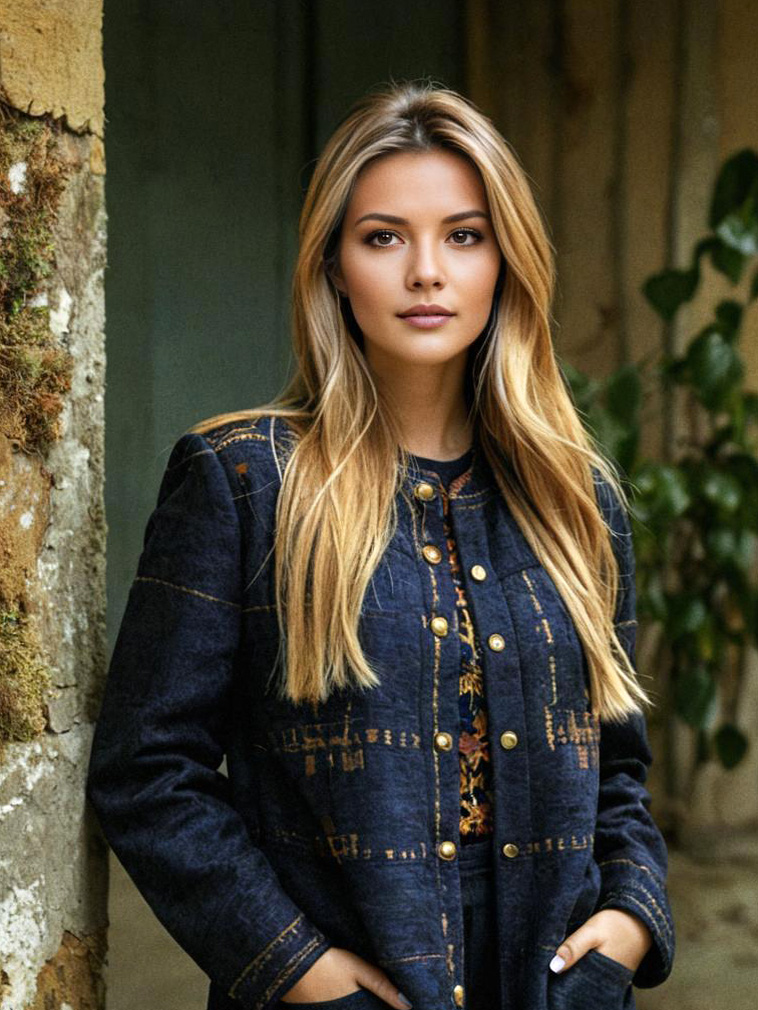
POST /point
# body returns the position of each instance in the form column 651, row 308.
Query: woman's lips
column 426, row 322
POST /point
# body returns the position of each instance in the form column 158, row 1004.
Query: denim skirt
column 480, row 953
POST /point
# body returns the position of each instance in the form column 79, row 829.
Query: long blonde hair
column 330, row 534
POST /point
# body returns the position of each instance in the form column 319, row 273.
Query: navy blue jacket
column 338, row 823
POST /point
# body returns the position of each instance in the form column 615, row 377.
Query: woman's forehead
column 417, row 184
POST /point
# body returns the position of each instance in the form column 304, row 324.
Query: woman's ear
column 336, row 278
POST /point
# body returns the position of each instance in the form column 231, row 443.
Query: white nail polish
column 557, row 963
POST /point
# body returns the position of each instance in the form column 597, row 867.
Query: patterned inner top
column 477, row 797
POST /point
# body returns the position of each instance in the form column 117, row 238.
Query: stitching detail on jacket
column 558, row 843
column 470, row 508
column 247, row 436
column 311, row 736
column 631, row 862
column 347, row 846
column 409, row 957
column 224, row 430
column 264, row 955
column 579, row 728
column 545, row 625
column 582, row 729
column 655, row 906
column 625, row 892
column 286, row 972
column 186, row 589
column 474, row 494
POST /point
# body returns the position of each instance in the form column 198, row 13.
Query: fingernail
column 557, row 963
column 404, row 999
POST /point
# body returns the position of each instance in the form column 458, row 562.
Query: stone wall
column 53, row 862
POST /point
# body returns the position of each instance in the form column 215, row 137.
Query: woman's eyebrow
column 392, row 219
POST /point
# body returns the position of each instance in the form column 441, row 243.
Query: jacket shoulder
column 262, row 442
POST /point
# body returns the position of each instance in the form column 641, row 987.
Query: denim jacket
column 338, row 822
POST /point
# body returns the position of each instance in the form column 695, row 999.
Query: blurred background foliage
column 695, row 515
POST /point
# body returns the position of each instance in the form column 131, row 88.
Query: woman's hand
column 616, row 933
column 339, row 972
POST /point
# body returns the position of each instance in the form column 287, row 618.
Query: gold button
column 479, row 572
column 424, row 491
column 443, row 741
column 508, row 739
column 439, row 626
column 496, row 643
column 458, row 995
column 447, row 850
column 432, row 553
column 510, row 850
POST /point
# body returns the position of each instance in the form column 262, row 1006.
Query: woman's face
column 417, row 232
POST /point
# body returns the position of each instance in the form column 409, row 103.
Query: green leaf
column 669, row 289
column 734, row 184
column 729, row 317
column 731, row 745
column 663, row 492
column 728, row 260
column 714, row 368
column 739, row 229
column 694, row 695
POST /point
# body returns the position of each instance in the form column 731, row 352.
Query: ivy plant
column 695, row 514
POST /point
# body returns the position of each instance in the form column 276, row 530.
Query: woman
column 400, row 599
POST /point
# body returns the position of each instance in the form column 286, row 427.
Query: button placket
column 432, row 554
column 479, row 594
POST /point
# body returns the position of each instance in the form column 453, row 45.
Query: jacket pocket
column 594, row 980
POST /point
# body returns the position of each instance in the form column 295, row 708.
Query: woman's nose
column 425, row 265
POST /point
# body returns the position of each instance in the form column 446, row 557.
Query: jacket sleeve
column 629, row 847
column 163, row 806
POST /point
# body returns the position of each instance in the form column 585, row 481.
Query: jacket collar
column 477, row 479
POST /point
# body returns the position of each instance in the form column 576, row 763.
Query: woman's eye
column 460, row 236
column 378, row 234
column 465, row 232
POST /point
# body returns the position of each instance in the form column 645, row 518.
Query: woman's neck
column 430, row 407
column 440, row 442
